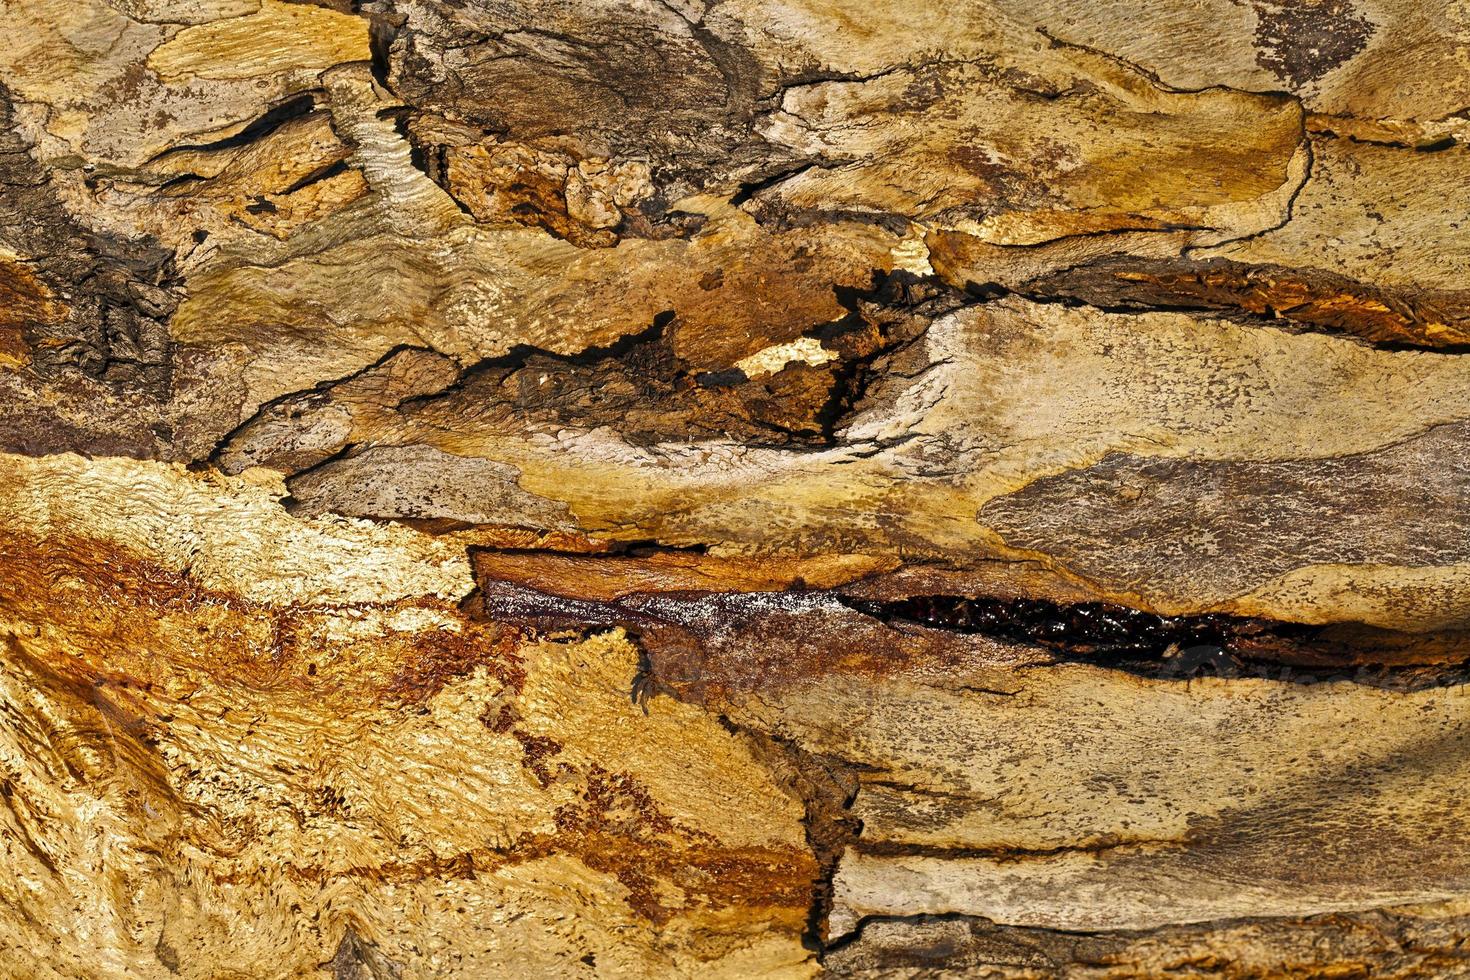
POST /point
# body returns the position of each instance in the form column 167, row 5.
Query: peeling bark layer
column 660, row 488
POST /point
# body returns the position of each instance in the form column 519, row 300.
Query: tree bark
column 739, row 489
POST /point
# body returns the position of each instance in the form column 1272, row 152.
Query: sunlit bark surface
column 747, row 488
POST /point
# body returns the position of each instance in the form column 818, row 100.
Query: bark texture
column 734, row 489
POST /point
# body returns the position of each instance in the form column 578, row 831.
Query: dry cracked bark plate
column 745, row 489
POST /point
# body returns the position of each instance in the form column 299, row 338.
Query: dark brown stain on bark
column 1312, row 298
column 1300, row 41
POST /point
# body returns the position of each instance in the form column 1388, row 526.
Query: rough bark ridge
column 740, row 489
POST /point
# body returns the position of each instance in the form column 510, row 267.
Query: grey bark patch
column 423, row 482
column 1300, row 41
column 167, row 955
column 110, row 348
column 1380, row 942
column 298, row 431
column 1216, row 529
column 358, row 959
column 626, row 79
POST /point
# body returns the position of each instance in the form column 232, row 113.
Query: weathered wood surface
column 653, row 488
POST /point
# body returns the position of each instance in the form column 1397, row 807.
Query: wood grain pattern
column 743, row 489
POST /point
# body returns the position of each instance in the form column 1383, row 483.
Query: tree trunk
column 735, row 489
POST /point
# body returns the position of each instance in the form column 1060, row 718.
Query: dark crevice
column 179, row 181
column 1123, row 307
column 320, row 388
column 1184, row 647
column 1076, row 296
column 918, row 918
column 636, row 548
column 1153, row 228
column 420, row 160
column 1094, row 630
column 1154, row 77
column 1437, row 145
column 812, row 77
column 521, row 354
column 292, row 504
column 259, row 128
column 826, row 786
column 751, row 188
column 778, row 216
column 382, row 33
column 899, row 292
column 429, row 159
column 624, row 384
column 888, row 848
column 648, row 547
column 316, row 176
column 1305, row 143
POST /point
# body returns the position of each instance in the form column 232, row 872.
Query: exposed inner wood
column 734, row 489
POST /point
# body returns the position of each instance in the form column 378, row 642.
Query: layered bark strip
column 734, row 488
